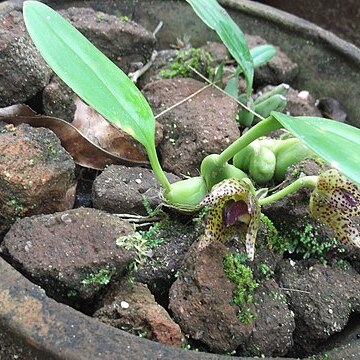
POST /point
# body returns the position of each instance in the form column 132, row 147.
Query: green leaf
column 335, row 142
column 91, row 75
column 214, row 16
column 261, row 54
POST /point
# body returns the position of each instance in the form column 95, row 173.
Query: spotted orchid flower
column 233, row 206
column 335, row 201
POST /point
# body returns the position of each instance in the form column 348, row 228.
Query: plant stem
column 260, row 129
column 157, row 169
column 306, row 181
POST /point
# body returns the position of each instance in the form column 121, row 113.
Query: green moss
column 100, row 16
column 266, row 273
column 124, row 18
column 274, row 239
column 199, row 59
column 72, row 293
column 144, row 241
column 306, row 244
column 242, row 276
column 102, row 277
column 17, row 206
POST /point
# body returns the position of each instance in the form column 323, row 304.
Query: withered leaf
column 84, row 150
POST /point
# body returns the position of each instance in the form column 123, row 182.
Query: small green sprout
column 143, row 242
column 198, row 59
column 242, row 276
column 124, row 18
column 274, row 240
column 102, row 277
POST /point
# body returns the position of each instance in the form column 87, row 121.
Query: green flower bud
column 186, row 194
column 213, row 173
column 242, row 159
column 262, row 166
column 291, row 154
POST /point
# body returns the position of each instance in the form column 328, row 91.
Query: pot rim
column 43, row 328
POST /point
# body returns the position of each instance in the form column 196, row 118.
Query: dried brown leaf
column 84, row 151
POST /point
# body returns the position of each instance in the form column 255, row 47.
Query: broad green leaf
column 214, row 16
column 91, row 75
column 232, row 87
column 335, row 142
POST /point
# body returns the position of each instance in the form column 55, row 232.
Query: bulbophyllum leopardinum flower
column 335, row 201
column 233, row 207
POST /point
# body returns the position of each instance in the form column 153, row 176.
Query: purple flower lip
column 235, row 211
column 350, row 200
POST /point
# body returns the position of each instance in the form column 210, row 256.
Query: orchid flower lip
column 234, row 211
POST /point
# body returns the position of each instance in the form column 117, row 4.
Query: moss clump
column 199, row 59
column 265, row 272
column 143, row 242
column 242, row 276
column 102, row 277
column 274, row 239
column 306, row 244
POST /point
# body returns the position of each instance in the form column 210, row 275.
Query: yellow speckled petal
column 334, row 201
column 216, row 228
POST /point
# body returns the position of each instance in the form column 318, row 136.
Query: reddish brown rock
column 72, row 254
column 36, row 174
column 201, row 300
column 134, row 309
column 203, row 125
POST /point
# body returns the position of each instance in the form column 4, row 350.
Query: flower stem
column 260, row 129
column 306, row 181
column 157, row 169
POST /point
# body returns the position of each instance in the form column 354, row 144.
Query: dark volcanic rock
column 64, row 252
column 134, row 309
column 161, row 268
column 23, row 71
column 301, row 103
column 121, row 40
column 122, row 189
column 203, row 125
column 59, row 100
column 274, row 323
column 201, row 300
column 36, row 174
column 322, row 299
column 280, row 69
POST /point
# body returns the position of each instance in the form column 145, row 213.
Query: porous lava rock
column 36, row 174
column 201, row 301
column 135, row 310
column 23, row 71
column 322, row 299
column 71, row 254
column 205, row 124
column 123, row 189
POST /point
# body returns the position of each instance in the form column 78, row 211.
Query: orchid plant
column 223, row 186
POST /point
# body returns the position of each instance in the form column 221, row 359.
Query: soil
column 153, row 282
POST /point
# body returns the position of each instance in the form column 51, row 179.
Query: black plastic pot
column 33, row 326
